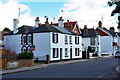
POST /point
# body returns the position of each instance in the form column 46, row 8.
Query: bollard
column 47, row 59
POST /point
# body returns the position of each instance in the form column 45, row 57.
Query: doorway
column 70, row 53
column 60, row 54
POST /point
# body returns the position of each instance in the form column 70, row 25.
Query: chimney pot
column 100, row 24
column 67, row 20
column 37, row 18
column 37, row 22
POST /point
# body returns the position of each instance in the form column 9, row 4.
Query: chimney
column 60, row 22
column 68, row 21
column 100, row 24
column 46, row 21
column 112, row 29
column 51, row 22
column 37, row 22
column 15, row 26
column 85, row 30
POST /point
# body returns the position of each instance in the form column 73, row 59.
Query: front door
column 60, row 54
column 70, row 53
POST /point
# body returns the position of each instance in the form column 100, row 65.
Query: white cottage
column 108, row 40
column 91, row 38
column 55, row 41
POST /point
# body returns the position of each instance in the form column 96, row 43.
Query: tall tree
column 116, row 10
column 6, row 29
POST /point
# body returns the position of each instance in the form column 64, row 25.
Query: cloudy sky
column 86, row 12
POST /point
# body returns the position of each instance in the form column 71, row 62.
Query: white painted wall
column 42, row 45
column 86, row 42
column 106, row 45
column 61, row 44
column 13, row 43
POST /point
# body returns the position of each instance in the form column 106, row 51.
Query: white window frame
column 29, row 38
column 70, row 39
column 66, row 39
column 66, row 52
column 23, row 39
column 55, row 55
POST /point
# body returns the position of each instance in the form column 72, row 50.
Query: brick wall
column 2, row 63
column 26, row 63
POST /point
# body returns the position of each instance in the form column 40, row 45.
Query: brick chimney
column 85, row 30
column 68, row 21
column 100, row 24
column 46, row 21
column 112, row 29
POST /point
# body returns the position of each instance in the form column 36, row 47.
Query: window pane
column 70, row 39
column 92, row 41
column 66, row 41
column 29, row 39
column 55, row 38
column 66, row 52
column 55, row 52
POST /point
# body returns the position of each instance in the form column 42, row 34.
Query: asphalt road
column 100, row 68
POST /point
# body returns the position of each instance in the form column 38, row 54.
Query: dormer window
column 55, row 38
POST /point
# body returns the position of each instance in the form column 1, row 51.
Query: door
column 70, row 53
column 60, row 54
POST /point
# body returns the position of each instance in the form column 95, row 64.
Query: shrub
column 25, row 55
column 90, row 49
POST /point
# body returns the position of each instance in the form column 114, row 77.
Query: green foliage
column 25, row 55
column 6, row 29
column 116, row 10
column 90, row 49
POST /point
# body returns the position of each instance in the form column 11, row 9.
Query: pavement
column 38, row 66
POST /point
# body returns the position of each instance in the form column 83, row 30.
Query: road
column 100, row 68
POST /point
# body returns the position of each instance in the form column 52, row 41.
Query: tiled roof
column 91, row 33
column 41, row 29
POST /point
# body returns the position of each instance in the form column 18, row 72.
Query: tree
column 6, row 29
column 116, row 10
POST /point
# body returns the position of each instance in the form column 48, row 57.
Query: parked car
column 117, row 54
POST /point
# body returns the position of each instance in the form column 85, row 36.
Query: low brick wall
column 3, row 63
column 26, row 63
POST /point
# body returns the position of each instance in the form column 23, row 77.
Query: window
column 70, row 39
column 28, row 49
column 55, row 38
column 76, row 40
column 24, row 39
column 76, row 51
column 29, row 39
column 66, row 39
column 55, row 52
column 66, row 52
column 92, row 41
column 24, row 49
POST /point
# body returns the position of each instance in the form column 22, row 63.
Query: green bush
column 25, row 55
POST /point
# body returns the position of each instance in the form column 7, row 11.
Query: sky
column 86, row 12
